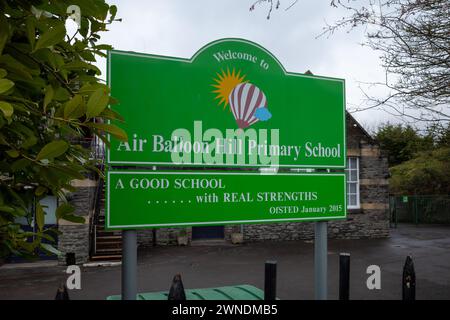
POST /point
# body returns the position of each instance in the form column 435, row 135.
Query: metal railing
column 98, row 154
column 420, row 209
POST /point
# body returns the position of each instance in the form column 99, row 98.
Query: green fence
column 420, row 209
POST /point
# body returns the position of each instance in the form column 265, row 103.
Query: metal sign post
column 129, row 265
column 320, row 260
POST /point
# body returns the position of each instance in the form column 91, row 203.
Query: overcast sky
column 180, row 27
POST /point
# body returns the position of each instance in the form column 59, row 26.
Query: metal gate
column 420, row 209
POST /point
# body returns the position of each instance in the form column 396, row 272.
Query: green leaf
column 89, row 88
column 20, row 164
column 28, row 136
column 103, row 47
column 61, row 94
column 52, row 150
column 13, row 153
column 50, row 248
column 52, row 58
column 81, row 65
column 31, row 30
column 51, row 37
column 46, row 236
column 15, row 67
column 5, row 85
column 112, row 12
column 2, row 137
column 7, row 209
column 84, row 28
column 111, row 114
column 7, row 109
column 49, row 93
column 40, row 216
column 104, row 139
column 87, row 55
column 73, row 218
column 17, row 198
column 19, row 212
column 97, row 102
column 63, row 210
column 29, row 141
column 40, row 191
column 69, row 172
column 111, row 129
column 74, row 108
column 3, row 73
column 113, row 100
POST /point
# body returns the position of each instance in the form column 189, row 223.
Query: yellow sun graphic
column 225, row 83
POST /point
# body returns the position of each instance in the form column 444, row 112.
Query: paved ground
column 213, row 266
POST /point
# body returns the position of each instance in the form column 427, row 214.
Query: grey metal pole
column 129, row 265
column 320, row 260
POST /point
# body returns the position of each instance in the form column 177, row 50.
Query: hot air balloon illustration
column 247, row 101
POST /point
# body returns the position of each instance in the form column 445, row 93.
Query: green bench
column 238, row 292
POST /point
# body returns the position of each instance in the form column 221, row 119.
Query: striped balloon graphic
column 244, row 100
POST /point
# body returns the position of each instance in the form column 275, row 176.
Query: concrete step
column 108, row 245
column 102, row 232
column 108, row 251
column 110, row 257
column 110, row 238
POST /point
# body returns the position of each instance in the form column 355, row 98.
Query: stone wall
column 166, row 236
column 357, row 226
column 75, row 236
column 145, row 238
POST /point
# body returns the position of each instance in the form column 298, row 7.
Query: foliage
column 401, row 142
column 413, row 39
column 443, row 137
column 428, row 173
column 50, row 99
column 419, row 163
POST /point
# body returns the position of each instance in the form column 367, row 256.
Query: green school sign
column 146, row 199
column 231, row 104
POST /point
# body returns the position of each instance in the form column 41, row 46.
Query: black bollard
column 62, row 293
column 70, row 259
column 270, row 281
column 409, row 280
column 344, row 276
column 176, row 291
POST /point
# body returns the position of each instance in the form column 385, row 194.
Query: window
column 352, row 173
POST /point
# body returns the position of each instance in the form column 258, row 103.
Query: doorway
column 209, row 232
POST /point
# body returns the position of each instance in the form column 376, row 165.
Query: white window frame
column 358, row 204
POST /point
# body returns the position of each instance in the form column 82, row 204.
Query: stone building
column 367, row 207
